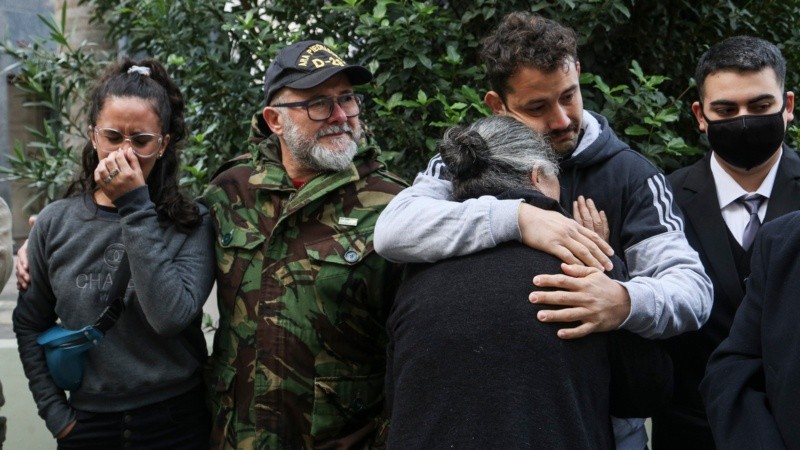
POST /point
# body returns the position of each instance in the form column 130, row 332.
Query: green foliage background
column 637, row 58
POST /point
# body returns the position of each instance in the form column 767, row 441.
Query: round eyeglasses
column 321, row 108
column 144, row 145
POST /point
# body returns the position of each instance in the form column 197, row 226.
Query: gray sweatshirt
column 156, row 349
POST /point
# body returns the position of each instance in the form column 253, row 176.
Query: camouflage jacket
column 299, row 355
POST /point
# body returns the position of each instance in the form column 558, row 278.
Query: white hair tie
column 140, row 70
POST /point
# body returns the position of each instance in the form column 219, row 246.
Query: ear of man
column 274, row 120
column 697, row 110
column 495, row 103
column 790, row 105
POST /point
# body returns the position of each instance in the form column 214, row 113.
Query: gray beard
column 310, row 154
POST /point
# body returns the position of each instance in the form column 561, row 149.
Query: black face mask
column 747, row 141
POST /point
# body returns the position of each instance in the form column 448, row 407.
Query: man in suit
column 751, row 388
column 744, row 111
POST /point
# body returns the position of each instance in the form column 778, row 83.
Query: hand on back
column 586, row 294
column 564, row 238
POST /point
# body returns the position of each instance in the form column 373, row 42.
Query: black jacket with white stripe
column 633, row 192
column 646, row 227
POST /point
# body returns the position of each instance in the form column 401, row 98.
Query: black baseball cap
column 306, row 64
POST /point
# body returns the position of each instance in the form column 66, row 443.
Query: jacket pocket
column 345, row 403
column 238, row 237
column 220, row 379
column 337, row 254
column 236, row 249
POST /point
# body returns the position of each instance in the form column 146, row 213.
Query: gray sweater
column 156, row 348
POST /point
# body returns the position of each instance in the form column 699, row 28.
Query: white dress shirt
column 734, row 214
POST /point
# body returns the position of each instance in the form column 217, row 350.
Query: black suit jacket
column 752, row 386
column 683, row 423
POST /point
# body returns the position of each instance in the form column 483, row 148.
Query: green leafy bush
column 637, row 58
column 644, row 115
column 58, row 82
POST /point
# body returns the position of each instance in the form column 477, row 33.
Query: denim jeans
column 182, row 422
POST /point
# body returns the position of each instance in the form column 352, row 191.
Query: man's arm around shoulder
column 423, row 224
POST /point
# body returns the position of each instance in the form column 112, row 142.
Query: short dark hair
column 740, row 54
column 524, row 39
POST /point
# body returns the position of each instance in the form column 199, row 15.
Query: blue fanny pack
column 64, row 349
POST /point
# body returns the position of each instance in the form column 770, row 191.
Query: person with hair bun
column 533, row 71
column 498, row 154
column 469, row 365
column 142, row 385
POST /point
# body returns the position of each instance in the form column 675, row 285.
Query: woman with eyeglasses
column 141, row 386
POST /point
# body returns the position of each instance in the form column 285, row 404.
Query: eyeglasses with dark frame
column 110, row 139
column 321, row 108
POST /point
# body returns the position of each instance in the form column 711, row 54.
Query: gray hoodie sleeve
column 669, row 289
column 170, row 290
column 424, row 224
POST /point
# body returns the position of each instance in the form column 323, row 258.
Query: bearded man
column 299, row 356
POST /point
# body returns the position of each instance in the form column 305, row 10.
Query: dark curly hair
column 172, row 206
column 524, row 39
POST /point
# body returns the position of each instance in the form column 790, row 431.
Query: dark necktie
column 751, row 202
